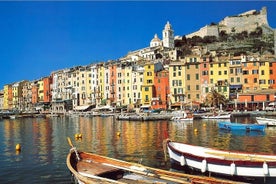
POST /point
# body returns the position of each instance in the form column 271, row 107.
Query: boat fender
column 204, row 166
column 265, row 168
column 182, row 160
column 232, row 169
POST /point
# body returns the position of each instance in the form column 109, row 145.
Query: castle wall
column 247, row 21
column 207, row 30
column 243, row 23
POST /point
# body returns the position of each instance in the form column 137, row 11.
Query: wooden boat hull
column 94, row 168
column 222, row 162
column 266, row 121
column 239, row 126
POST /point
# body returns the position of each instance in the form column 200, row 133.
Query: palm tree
column 214, row 98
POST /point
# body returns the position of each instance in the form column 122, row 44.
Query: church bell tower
column 168, row 36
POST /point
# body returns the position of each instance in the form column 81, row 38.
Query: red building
column 160, row 98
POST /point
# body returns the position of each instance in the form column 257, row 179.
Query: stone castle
column 247, row 21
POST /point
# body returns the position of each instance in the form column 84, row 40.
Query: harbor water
column 44, row 146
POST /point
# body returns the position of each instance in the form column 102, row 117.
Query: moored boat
column 266, row 121
column 182, row 116
column 222, row 162
column 239, row 126
column 93, row 168
column 216, row 116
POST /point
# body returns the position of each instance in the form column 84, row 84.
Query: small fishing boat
column 226, row 163
column 182, row 116
column 266, row 121
column 92, row 168
column 239, row 126
column 216, row 116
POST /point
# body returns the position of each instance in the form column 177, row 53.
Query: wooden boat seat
column 94, row 168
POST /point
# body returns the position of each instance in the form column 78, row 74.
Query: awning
column 82, row 107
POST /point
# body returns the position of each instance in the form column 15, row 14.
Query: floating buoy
column 232, row 169
column 204, row 166
column 118, row 133
column 265, row 168
column 76, row 136
column 182, row 160
column 204, row 124
column 80, row 136
column 195, row 130
column 18, row 147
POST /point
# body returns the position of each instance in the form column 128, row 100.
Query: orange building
column 162, row 89
column 255, row 99
column 47, row 97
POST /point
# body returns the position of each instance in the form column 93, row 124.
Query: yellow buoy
column 76, row 136
column 80, row 136
column 195, row 130
column 18, row 147
column 204, row 124
column 118, row 133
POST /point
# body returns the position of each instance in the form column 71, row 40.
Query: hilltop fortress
column 247, row 21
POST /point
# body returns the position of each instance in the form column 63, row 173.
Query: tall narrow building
column 168, row 36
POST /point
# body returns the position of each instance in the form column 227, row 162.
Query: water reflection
column 44, row 144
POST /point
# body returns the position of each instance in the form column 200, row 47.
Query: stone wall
column 247, row 21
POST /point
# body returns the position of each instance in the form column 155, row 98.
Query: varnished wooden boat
column 93, row 168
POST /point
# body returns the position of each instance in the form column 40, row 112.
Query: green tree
column 214, row 98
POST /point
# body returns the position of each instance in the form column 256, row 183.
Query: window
column 188, row 76
column 245, row 72
column 262, row 72
column 197, row 76
column 245, row 81
column 255, row 71
column 262, row 81
column 146, row 88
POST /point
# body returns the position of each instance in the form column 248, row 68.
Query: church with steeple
column 167, row 38
column 158, row 48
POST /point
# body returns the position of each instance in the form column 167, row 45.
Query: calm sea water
column 44, row 143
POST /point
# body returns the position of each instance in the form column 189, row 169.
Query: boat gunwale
column 223, row 161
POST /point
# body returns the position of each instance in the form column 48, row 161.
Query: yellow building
column 40, row 86
column 128, row 100
column 264, row 74
column 101, row 81
column 219, row 76
column 6, row 104
column 177, row 84
column 148, row 84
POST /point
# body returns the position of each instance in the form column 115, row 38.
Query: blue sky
column 37, row 38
